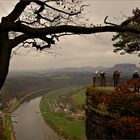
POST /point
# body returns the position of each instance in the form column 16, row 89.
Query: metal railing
column 108, row 81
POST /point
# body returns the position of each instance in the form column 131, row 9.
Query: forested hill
column 20, row 83
column 127, row 69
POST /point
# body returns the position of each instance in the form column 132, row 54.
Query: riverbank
column 8, row 127
column 7, row 119
column 30, row 124
column 13, row 105
column 62, row 119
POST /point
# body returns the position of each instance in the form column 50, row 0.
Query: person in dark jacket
column 136, row 85
column 102, row 75
column 95, row 78
column 116, row 77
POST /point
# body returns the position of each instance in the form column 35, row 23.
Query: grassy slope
column 80, row 97
column 72, row 129
column 8, row 127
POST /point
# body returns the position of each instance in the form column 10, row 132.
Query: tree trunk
column 5, row 53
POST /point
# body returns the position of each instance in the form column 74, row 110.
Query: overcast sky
column 79, row 51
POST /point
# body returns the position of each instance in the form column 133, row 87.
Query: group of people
column 116, row 78
column 102, row 75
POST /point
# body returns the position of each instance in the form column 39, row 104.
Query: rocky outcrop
column 112, row 115
column 95, row 118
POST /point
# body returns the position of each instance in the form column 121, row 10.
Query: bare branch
column 53, row 0
column 19, row 8
column 15, row 51
column 29, row 23
column 64, row 12
column 66, row 28
column 42, row 7
column 50, row 20
column 64, row 34
column 19, row 39
column 75, row 29
column 24, row 37
column 105, row 21
column 41, row 47
column 130, row 19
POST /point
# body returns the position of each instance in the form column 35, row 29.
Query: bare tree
column 40, row 23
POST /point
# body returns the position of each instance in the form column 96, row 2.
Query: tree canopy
column 50, row 19
column 127, row 42
column 40, row 23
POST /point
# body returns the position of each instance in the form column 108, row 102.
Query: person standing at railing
column 116, row 77
column 95, row 78
column 135, row 76
column 102, row 75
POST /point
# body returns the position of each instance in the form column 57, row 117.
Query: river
column 29, row 124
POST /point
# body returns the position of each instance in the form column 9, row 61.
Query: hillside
column 127, row 69
column 18, row 84
column 78, row 69
column 63, row 110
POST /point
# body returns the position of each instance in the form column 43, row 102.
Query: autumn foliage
column 124, row 92
column 121, row 109
column 129, row 126
column 1, row 130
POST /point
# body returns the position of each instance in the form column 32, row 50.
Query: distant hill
column 127, row 69
column 19, row 83
column 79, row 69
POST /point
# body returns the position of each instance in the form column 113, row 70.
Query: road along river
column 29, row 124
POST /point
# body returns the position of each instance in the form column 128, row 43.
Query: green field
column 80, row 97
column 8, row 127
column 70, row 128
